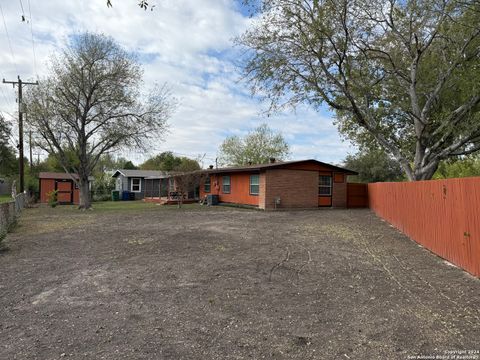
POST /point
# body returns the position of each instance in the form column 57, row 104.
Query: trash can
column 212, row 200
column 115, row 195
column 125, row 195
column 131, row 196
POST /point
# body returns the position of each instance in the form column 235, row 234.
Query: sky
column 184, row 43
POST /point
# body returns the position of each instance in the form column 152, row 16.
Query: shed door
column 65, row 191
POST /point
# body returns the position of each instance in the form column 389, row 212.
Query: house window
column 325, row 185
column 207, row 185
column 254, row 184
column 226, row 184
column 171, row 184
column 136, row 185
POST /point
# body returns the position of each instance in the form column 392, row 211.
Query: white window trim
column 139, row 185
column 209, row 185
column 326, row 186
column 250, row 186
column 229, row 184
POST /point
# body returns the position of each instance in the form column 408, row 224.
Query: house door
column 64, row 191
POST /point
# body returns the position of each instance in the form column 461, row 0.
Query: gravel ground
column 151, row 282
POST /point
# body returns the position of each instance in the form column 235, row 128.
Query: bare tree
column 401, row 74
column 187, row 178
column 186, row 183
column 91, row 105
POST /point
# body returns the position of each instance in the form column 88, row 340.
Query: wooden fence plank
column 442, row 215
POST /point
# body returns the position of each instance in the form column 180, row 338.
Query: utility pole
column 20, row 83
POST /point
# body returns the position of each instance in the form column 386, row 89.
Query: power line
column 8, row 37
column 4, row 96
column 33, row 41
column 23, row 11
column 8, row 96
column 8, row 113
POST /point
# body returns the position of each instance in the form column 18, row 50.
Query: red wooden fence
column 442, row 215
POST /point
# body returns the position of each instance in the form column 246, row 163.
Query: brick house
column 290, row 184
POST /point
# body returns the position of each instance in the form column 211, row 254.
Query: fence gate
column 357, row 195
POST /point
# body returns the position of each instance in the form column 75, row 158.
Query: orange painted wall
column 46, row 186
column 239, row 189
column 324, row 201
column 442, row 215
column 339, row 178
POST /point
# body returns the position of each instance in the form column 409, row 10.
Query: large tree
column 8, row 159
column 400, row 74
column 458, row 168
column 91, row 104
column 187, row 178
column 167, row 161
column 373, row 165
column 257, row 147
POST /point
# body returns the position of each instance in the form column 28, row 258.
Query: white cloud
column 185, row 43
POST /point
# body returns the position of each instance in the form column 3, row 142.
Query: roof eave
column 115, row 174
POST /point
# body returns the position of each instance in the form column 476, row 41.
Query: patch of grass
column 139, row 205
column 220, row 248
column 54, row 225
column 5, row 198
column 126, row 206
column 123, row 206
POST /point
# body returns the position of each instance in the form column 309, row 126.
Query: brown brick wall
column 261, row 192
column 296, row 188
column 339, row 194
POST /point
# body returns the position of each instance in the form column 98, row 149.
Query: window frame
column 322, row 186
column 209, row 185
column 257, row 184
column 139, row 185
column 229, row 184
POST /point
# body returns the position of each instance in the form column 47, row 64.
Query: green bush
column 52, row 198
column 102, row 196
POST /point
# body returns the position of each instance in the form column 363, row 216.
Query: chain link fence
column 9, row 211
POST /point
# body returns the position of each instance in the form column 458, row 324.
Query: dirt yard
column 150, row 282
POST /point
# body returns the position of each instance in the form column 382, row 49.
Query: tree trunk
column 85, row 202
column 427, row 172
column 179, row 199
